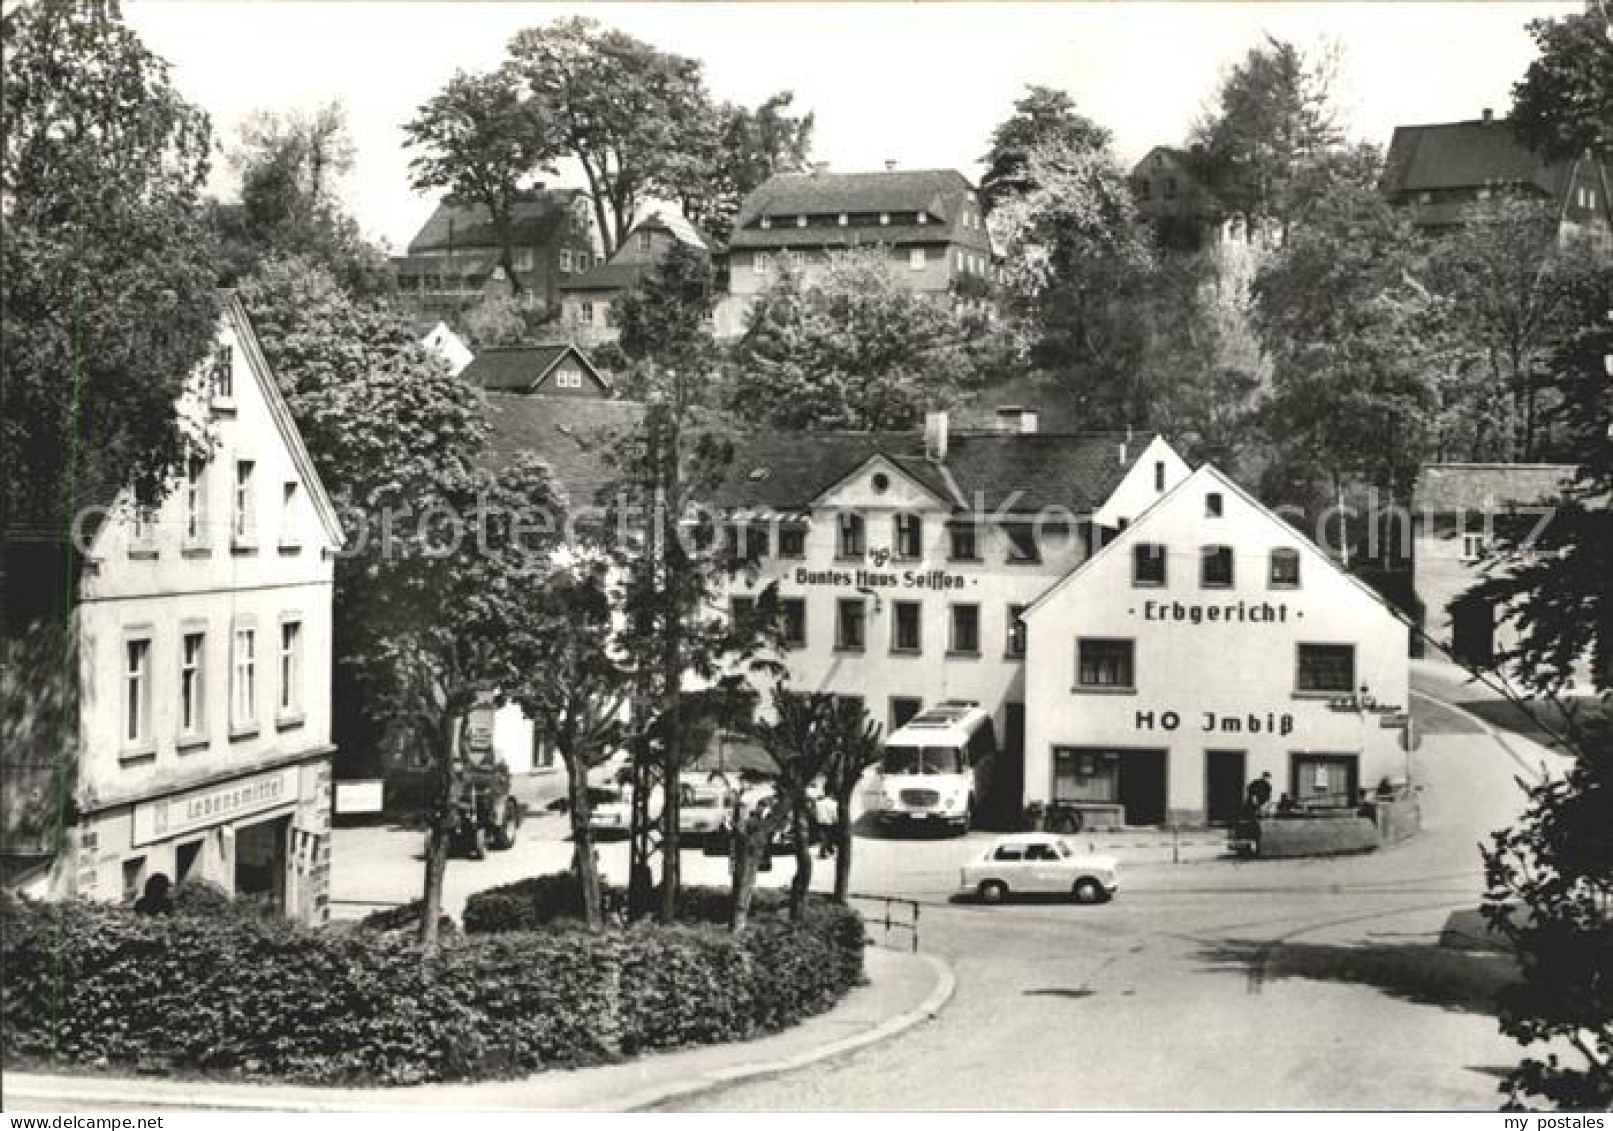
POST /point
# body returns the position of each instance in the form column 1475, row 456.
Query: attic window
column 758, row 474
column 924, row 217
column 767, row 221
column 884, row 217
column 800, row 221
column 844, row 220
column 881, row 481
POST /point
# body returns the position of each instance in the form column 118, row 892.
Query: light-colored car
column 704, row 806
column 610, row 808
column 1040, row 864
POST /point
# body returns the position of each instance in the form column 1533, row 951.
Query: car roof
column 1027, row 838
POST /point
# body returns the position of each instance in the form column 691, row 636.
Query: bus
column 933, row 768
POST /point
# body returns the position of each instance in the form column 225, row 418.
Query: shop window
column 850, row 624
column 964, row 538
column 793, row 610
column 906, row 626
column 792, row 542
column 1327, row 668
column 137, row 692
column 1105, row 663
column 1022, row 545
column 965, row 630
column 1015, row 646
column 1285, row 569
column 192, row 685
column 852, row 541
column 909, row 536
column 290, row 705
column 244, row 681
column 1215, row 567
column 1148, row 564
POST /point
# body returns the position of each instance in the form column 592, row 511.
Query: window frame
column 953, row 646
column 851, row 521
column 192, row 686
column 1283, row 554
column 1138, row 555
column 136, row 737
column 244, row 505
column 903, row 547
column 786, row 604
column 242, row 726
column 1013, row 556
column 972, row 530
column 793, row 531
column 194, row 534
column 1212, row 552
column 1099, row 686
column 842, row 605
column 290, row 672
column 1016, row 633
column 916, row 608
column 1301, row 691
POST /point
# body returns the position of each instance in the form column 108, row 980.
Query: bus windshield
column 924, row 760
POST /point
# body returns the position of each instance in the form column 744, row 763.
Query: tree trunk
column 744, row 857
column 436, row 868
column 843, row 839
column 802, row 881
column 582, row 844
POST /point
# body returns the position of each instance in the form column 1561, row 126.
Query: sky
column 922, row 84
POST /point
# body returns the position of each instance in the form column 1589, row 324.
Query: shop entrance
column 260, row 862
column 1142, row 786
column 1224, row 777
column 1105, row 779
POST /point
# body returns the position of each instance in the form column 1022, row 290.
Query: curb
column 946, row 985
column 312, row 1101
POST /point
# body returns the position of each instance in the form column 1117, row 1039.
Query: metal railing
column 889, row 919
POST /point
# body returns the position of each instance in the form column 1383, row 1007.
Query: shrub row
column 539, row 901
column 93, row 984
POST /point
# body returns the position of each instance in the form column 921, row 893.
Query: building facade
column 1205, row 645
column 555, row 369
column 588, row 299
column 204, row 648
column 1456, row 511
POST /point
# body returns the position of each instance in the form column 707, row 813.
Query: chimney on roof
column 935, row 437
column 890, row 164
column 1017, row 418
column 1489, row 114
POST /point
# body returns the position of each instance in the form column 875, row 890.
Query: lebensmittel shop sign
column 214, row 805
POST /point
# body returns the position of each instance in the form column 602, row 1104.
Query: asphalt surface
column 1210, row 983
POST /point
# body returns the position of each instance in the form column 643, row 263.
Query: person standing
column 1260, row 793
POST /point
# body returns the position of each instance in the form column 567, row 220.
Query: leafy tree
column 1042, row 117
column 1273, row 112
column 1077, row 264
column 291, row 165
column 797, row 740
column 505, row 320
column 635, row 118
column 575, row 684
column 108, row 268
column 481, row 141
column 852, row 349
column 665, row 319
column 854, row 743
column 1563, row 105
column 1550, row 877
column 747, row 147
column 1345, row 322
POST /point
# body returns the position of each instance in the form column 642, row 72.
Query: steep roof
column 1449, row 487
column 939, row 193
column 571, row 434
column 607, row 277
column 1460, row 155
column 521, row 368
column 543, row 215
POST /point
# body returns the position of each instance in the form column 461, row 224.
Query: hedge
column 92, row 984
column 540, row 901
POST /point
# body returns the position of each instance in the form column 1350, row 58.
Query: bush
column 542, row 900
column 90, row 983
column 404, row 917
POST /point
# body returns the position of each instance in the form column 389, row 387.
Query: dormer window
column 924, row 218
column 844, row 219
column 767, row 222
column 800, row 221
column 884, row 217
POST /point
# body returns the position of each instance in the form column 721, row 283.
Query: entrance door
column 1473, row 631
column 1008, row 785
column 1328, row 780
column 1223, row 785
column 1142, row 786
column 260, row 862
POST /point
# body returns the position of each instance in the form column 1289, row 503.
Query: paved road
column 1210, row 983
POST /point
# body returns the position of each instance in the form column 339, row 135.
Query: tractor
column 482, row 813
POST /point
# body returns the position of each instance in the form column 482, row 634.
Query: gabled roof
column 572, row 434
column 607, row 277
column 1462, row 155
column 1450, row 487
column 1139, row 527
column 523, row 368
column 939, row 193
column 543, row 215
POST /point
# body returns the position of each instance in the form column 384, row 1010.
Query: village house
column 588, row 299
column 557, row 369
column 1439, row 171
column 203, row 631
column 1459, row 513
column 1173, row 194
column 456, row 259
column 1209, row 643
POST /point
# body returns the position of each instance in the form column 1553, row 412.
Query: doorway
column 260, row 862
column 1224, row 778
column 1142, row 786
column 1473, row 631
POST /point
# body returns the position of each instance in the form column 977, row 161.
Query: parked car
column 704, row 806
column 610, row 808
column 1042, row 864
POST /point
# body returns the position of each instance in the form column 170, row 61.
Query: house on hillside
column 1458, row 511
column 1174, row 195
column 556, row 369
column 199, row 745
column 455, row 260
column 587, row 299
column 1438, row 171
column 929, row 224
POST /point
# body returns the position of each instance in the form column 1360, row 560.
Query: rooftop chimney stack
column 935, row 437
column 1489, row 114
